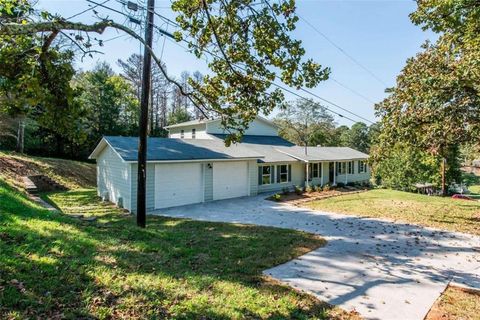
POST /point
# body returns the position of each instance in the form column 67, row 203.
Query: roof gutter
column 197, row 160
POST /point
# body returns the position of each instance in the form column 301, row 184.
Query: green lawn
column 444, row 213
column 53, row 265
column 456, row 304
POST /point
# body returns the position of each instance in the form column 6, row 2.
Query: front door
column 331, row 172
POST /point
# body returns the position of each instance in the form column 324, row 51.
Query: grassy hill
column 71, row 174
column 56, row 266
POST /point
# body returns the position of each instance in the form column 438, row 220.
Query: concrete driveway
column 382, row 269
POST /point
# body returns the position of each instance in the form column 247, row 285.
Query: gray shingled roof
column 265, row 145
column 323, row 153
column 167, row 149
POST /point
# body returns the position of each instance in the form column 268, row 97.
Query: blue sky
column 378, row 34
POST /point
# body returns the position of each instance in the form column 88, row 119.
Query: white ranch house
column 193, row 165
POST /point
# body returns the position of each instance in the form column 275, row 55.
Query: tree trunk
column 20, row 135
column 444, row 183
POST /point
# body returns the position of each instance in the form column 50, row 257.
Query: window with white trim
column 182, row 134
column 282, row 171
column 362, row 166
column 314, row 170
column 341, row 168
column 194, row 133
column 351, row 168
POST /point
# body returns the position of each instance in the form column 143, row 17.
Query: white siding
column 298, row 177
column 257, row 127
column 113, row 178
column 356, row 177
column 253, row 176
column 150, row 186
column 200, row 132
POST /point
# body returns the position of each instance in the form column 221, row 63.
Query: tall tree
column 109, row 101
column 158, row 107
column 301, row 121
column 249, row 45
column 356, row 137
column 435, row 103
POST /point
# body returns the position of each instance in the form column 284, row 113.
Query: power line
column 344, row 52
column 301, row 89
column 86, row 10
column 351, row 90
column 286, row 90
column 243, row 69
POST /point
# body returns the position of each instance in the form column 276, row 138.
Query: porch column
column 346, row 173
column 306, row 178
column 334, row 173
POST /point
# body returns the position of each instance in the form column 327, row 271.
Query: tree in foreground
column 435, row 105
column 248, row 45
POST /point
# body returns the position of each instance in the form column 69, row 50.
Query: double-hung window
column 362, row 167
column 194, row 133
column 341, row 168
column 315, row 170
column 351, row 167
column 264, row 175
column 182, row 134
column 283, row 173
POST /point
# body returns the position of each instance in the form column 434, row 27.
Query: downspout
column 306, row 180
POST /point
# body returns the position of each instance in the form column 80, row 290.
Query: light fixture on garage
column 209, row 165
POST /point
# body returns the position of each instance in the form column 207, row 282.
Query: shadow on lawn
column 54, row 266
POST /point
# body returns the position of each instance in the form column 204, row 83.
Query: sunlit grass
column 456, row 303
column 54, row 265
column 440, row 212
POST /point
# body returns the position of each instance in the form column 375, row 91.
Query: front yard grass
column 455, row 304
column 444, row 213
column 55, row 266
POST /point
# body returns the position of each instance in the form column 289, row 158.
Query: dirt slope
column 71, row 174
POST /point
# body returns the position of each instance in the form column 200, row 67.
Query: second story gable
column 203, row 129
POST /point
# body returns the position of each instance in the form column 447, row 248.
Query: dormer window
column 194, row 133
column 182, row 134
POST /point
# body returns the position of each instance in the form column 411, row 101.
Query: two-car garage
column 191, row 182
column 178, row 172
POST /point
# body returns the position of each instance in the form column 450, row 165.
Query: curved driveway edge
column 384, row 270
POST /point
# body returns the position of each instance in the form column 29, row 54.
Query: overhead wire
column 86, row 10
column 272, row 83
column 301, row 89
column 344, row 52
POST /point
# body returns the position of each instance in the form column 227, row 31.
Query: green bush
column 326, row 187
column 309, row 189
column 277, row 197
column 340, row 185
column 318, row 188
column 298, row 190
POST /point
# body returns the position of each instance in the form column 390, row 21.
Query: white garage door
column 178, row 184
column 230, row 179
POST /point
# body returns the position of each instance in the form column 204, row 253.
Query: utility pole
column 143, row 124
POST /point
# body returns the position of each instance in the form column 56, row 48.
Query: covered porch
column 332, row 165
